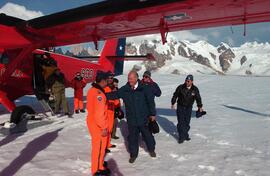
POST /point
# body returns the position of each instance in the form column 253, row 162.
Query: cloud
column 215, row 34
column 19, row 11
column 178, row 36
column 187, row 35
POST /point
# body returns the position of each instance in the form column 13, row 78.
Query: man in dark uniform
column 185, row 94
column 147, row 80
column 140, row 108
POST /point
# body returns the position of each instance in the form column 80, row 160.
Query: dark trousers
column 183, row 118
column 133, row 139
column 114, row 127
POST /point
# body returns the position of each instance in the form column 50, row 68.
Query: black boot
column 132, row 159
column 180, row 141
column 82, row 110
column 188, row 139
column 105, row 164
column 69, row 115
column 105, row 172
column 153, row 154
column 77, row 111
column 113, row 146
column 115, row 137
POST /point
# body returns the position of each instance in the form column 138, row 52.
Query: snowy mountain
column 183, row 57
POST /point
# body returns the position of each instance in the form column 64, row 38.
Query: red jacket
column 78, row 86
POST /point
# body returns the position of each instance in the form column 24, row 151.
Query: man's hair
column 134, row 72
column 98, row 80
column 101, row 76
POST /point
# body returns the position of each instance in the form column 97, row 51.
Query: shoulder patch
column 99, row 98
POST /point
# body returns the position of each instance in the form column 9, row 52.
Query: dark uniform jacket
column 139, row 103
column 186, row 97
column 154, row 87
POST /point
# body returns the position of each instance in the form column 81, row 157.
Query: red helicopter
column 107, row 20
column 28, row 77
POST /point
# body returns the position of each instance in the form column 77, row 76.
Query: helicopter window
column 4, row 58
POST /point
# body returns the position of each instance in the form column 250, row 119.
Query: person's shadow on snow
column 114, row 168
column 167, row 125
column 30, row 151
column 9, row 138
column 166, row 112
column 247, row 110
column 172, row 112
column 124, row 131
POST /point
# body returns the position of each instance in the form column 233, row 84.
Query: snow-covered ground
column 232, row 139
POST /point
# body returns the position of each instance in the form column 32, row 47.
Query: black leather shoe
column 105, row 172
column 77, row 111
column 180, row 141
column 153, row 154
column 132, row 159
column 115, row 137
column 188, row 139
column 69, row 115
column 107, row 151
column 112, row 146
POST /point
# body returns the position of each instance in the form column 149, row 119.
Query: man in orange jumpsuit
column 97, row 123
column 111, row 107
column 78, row 83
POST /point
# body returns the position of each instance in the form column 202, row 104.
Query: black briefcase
column 118, row 113
column 153, row 127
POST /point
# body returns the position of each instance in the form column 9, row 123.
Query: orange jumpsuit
column 78, row 86
column 110, row 114
column 97, row 120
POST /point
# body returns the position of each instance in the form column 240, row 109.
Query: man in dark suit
column 185, row 94
column 140, row 108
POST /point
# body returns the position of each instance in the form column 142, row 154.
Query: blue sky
column 231, row 35
column 49, row 6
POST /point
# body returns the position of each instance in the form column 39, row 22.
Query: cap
column 101, row 76
column 115, row 80
column 147, row 73
column 110, row 73
column 189, row 77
